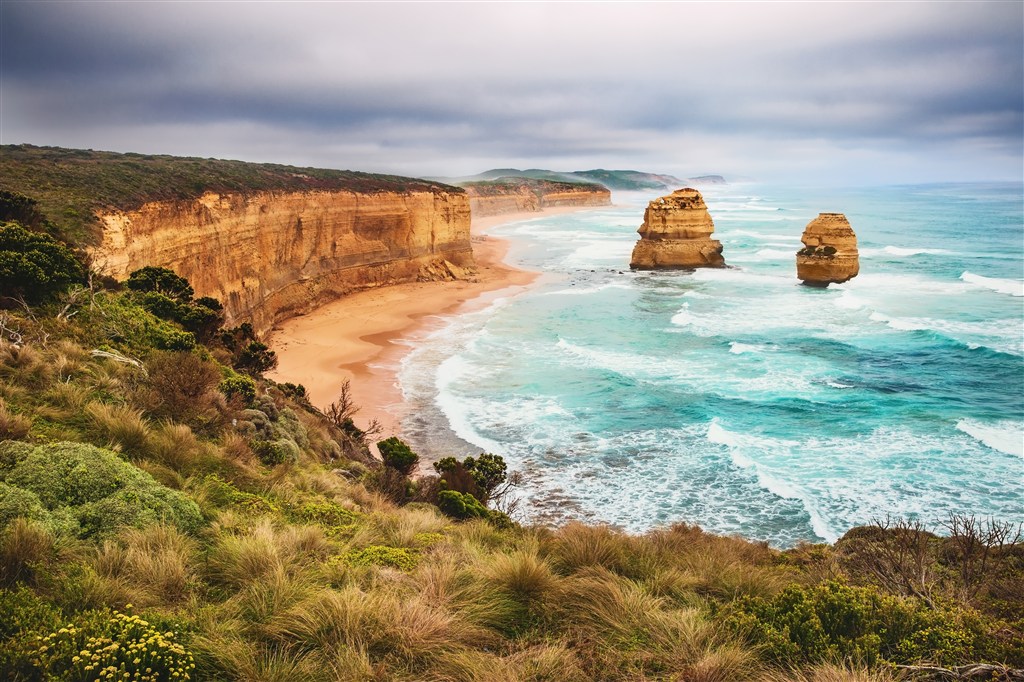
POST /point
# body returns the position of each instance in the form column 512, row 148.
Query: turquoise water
column 736, row 398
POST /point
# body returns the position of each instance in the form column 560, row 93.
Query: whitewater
column 736, row 398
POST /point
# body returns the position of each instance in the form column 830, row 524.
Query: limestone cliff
column 269, row 255
column 529, row 195
column 830, row 251
column 677, row 234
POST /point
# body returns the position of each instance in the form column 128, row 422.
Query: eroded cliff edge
column 529, row 195
column 270, row 255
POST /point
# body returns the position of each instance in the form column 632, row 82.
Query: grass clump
column 378, row 555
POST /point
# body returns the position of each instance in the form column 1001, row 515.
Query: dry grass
column 155, row 562
column 121, row 426
column 24, row 547
column 402, row 529
column 577, row 546
column 831, row 672
column 24, row 365
column 71, row 397
column 174, row 446
column 13, row 426
column 238, row 560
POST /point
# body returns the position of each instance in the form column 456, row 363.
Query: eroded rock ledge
column 275, row 254
column 677, row 234
column 528, row 195
column 830, row 254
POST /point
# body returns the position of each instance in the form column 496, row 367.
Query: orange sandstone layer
column 356, row 337
column 528, row 199
column 830, row 254
column 271, row 255
column 676, row 233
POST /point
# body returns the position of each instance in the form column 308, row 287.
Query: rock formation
column 269, row 255
column 830, row 251
column 529, row 195
column 677, row 234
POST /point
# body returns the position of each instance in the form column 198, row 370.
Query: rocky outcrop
column 528, row 195
column 274, row 254
column 677, row 234
column 830, row 252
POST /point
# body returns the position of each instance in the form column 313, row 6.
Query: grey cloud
column 417, row 86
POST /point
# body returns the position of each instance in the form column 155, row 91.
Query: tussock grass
column 71, row 397
column 24, row 365
column 833, row 672
column 156, row 561
column 174, row 446
column 25, row 546
column 13, row 426
column 577, row 546
column 122, row 426
column 405, row 529
column 237, row 560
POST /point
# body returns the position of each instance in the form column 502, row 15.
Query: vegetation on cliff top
column 167, row 513
column 69, row 185
column 626, row 180
column 517, row 185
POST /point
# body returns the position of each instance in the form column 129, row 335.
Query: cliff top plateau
column 70, row 185
column 622, row 180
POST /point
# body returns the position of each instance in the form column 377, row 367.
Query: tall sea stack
column 830, row 252
column 677, row 234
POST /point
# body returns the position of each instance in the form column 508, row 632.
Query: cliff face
column 677, row 234
column 830, row 251
column 271, row 255
column 524, row 195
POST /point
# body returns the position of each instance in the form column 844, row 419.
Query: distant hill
column 621, row 180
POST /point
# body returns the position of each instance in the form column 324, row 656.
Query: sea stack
column 830, row 251
column 677, row 234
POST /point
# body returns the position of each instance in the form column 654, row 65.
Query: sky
column 797, row 92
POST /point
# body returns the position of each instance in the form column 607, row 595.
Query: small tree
column 162, row 281
column 398, row 455
column 35, row 267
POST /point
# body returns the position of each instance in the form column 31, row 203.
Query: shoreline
column 357, row 338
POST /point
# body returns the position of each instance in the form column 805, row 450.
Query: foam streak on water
column 736, row 398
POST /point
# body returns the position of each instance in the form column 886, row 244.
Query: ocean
column 737, row 399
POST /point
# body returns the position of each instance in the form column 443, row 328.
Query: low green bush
column 398, row 455
column 240, row 386
column 461, row 505
column 95, row 487
column 833, row 621
column 118, row 647
column 379, row 555
column 274, row 452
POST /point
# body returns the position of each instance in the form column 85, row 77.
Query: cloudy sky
column 857, row 92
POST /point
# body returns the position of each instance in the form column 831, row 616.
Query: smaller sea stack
column 677, row 234
column 830, row 252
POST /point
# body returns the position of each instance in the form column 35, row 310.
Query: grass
column 298, row 572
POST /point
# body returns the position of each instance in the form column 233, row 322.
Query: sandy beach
column 354, row 338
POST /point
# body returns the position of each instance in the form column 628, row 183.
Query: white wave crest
column 738, row 348
column 1011, row 287
column 1006, row 436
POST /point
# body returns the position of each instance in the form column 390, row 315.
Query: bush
column 98, row 489
column 398, row 455
column 460, row 505
column 119, row 647
column 479, row 476
column 379, row 555
column 180, row 384
column 161, row 281
column 274, row 452
column 240, row 386
column 833, row 621
column 35, row 266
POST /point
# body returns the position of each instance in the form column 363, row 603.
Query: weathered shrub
column 180, row 385
column 274, row 452
column 398, row 455
column 460, row 505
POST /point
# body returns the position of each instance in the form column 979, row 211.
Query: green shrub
column 223, row 494
column 100, row 490
column 239, row 385
column 833, row 621
column 398, row 455
column 460, row 505
column 17, row 503
column 327, row 514
column 476, row 476
column 161, row 281
column 379, row 555
column 117, row 647
column 35, row 266
column 274, row 452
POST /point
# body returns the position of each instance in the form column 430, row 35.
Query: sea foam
column 1011, row 287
